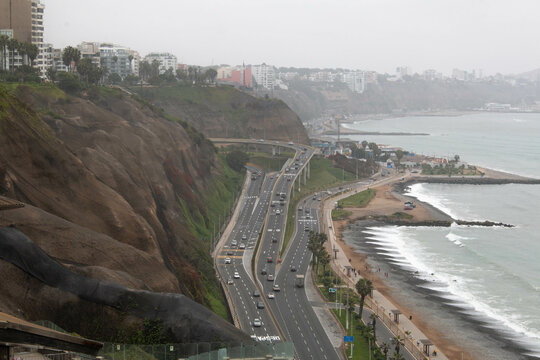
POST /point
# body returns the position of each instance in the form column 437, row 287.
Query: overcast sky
column 492, row 35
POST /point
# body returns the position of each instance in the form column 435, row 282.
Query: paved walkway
column 378, row 304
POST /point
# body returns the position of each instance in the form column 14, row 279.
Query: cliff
column 223, row 111
column 314, row 99
column 114, row 192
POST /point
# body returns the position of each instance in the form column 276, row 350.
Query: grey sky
column 493, row 35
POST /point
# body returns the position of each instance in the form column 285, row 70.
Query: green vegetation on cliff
column 223, row 111
column 360, row 199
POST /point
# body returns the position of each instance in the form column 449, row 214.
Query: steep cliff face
column 226, row 112
column 114, row 190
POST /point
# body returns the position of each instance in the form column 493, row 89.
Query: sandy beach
column 388, row 202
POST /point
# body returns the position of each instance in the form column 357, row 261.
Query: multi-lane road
column 285, row 311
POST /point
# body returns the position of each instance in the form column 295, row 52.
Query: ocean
column 488, row 279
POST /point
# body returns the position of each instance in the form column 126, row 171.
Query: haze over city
column 496, row 36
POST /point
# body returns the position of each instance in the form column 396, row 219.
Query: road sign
column 332, row 290
column 348, row 339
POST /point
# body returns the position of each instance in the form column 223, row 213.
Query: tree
column 52, row 74
column 364, row 287
column 456, row 158
column 385, row 348
column 237, row 159
column 12, row 45
column 316, row 246
column 324, row 259
column 397, row 341
column 3, row 49
column 71, row 57
column 373, row 318
column 364, row 144
column 69, row 82
column 399, row 155
column 31, row 52
column 211, row 75
column 114, row 78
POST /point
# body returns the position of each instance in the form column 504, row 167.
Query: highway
column 246, row 233
column 265, row 209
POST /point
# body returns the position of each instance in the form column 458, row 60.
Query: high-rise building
column 166, row 61
column 264, row 75
column 355, row 80
column 25, row 19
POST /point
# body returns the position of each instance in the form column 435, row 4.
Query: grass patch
column 267, row 162
column 361, row 347
column 323, row 176
column 359, row 200
column 340, row 214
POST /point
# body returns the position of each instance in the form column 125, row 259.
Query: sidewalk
column 378, row 304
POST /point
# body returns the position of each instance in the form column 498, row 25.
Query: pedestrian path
column 400, row 325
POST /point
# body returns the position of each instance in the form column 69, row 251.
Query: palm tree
column 3, row 43
column 31, row 52
column 364, row 287
column 12, row 45
column 130, row 58
column 385, row 348
column 71, row 56
column 397, row 341
column 373, row 318
column 324, row 259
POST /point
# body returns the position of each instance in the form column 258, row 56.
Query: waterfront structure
column 166, row 61
column 264, row 75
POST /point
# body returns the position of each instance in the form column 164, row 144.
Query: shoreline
column 372, row 265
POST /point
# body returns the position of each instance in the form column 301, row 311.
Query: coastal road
column 239, row 249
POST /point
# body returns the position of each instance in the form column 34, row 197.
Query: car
column 269, row 259
column 270, row 277
column 306, row 228
column 278, row 230
column 282, row 202
column 307, row 217
column 278, row 212
column 234, row 243
column 263, row 271
column 227, row 260
column 242, row 246
column 261, row 140
column 244, row 237
column 274, row 240
column 260, row 305
column 257, row 322
column 293, row 268
column 314, row 198
column 299, row 209
column 276, row 288
column 230, row 252
column 229, row 282
column 256, row 293
column 236, row 275
column 271, row 295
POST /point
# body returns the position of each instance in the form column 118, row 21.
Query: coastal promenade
column 414, row 340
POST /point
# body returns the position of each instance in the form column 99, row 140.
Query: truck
column 299, row 282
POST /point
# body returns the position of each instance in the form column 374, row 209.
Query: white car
column 236, row 275
column 242, row 246
column 257, row 322
column 227, row 260
column 278, row 212
column 271, row 295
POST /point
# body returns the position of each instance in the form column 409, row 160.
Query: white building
column 166, row 61
column 355, row 80
column 37, row 37
column 264, row 75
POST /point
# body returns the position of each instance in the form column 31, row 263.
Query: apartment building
column 166, row 61
column 264, row 75
column 25, row 20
